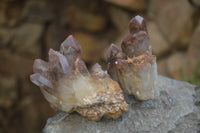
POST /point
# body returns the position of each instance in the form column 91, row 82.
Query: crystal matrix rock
column 68, row 86
column 134, row 67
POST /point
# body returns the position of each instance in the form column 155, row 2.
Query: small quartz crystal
column 134, row 67
column 68, row 86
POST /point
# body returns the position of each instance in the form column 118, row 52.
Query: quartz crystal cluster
column 134, row 67
column 68, row 86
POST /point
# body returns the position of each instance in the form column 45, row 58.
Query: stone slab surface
column 176, row 109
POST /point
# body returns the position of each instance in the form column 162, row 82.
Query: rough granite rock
column 176, row 27
column 193, row 53
column 130, row 4
column 159, row 44
column 175, row 110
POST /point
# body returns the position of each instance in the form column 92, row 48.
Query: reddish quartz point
column 137, row 24
column 136, row 44
column 134, row 67
column 68, row 86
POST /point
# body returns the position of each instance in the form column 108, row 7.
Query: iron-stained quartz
column 68, row 86
column 134, row 67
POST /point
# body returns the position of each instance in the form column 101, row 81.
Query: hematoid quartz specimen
column 134, row 67
column 68, row 86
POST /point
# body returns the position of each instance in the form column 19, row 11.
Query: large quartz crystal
column 134, row 67
column 68, row 86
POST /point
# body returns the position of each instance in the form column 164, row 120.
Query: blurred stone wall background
column 28, row 28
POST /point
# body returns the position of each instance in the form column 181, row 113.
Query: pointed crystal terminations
column 134, row 67
column 68, row 86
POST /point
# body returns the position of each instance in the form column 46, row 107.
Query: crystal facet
column 68, row 86
column 134, row 67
